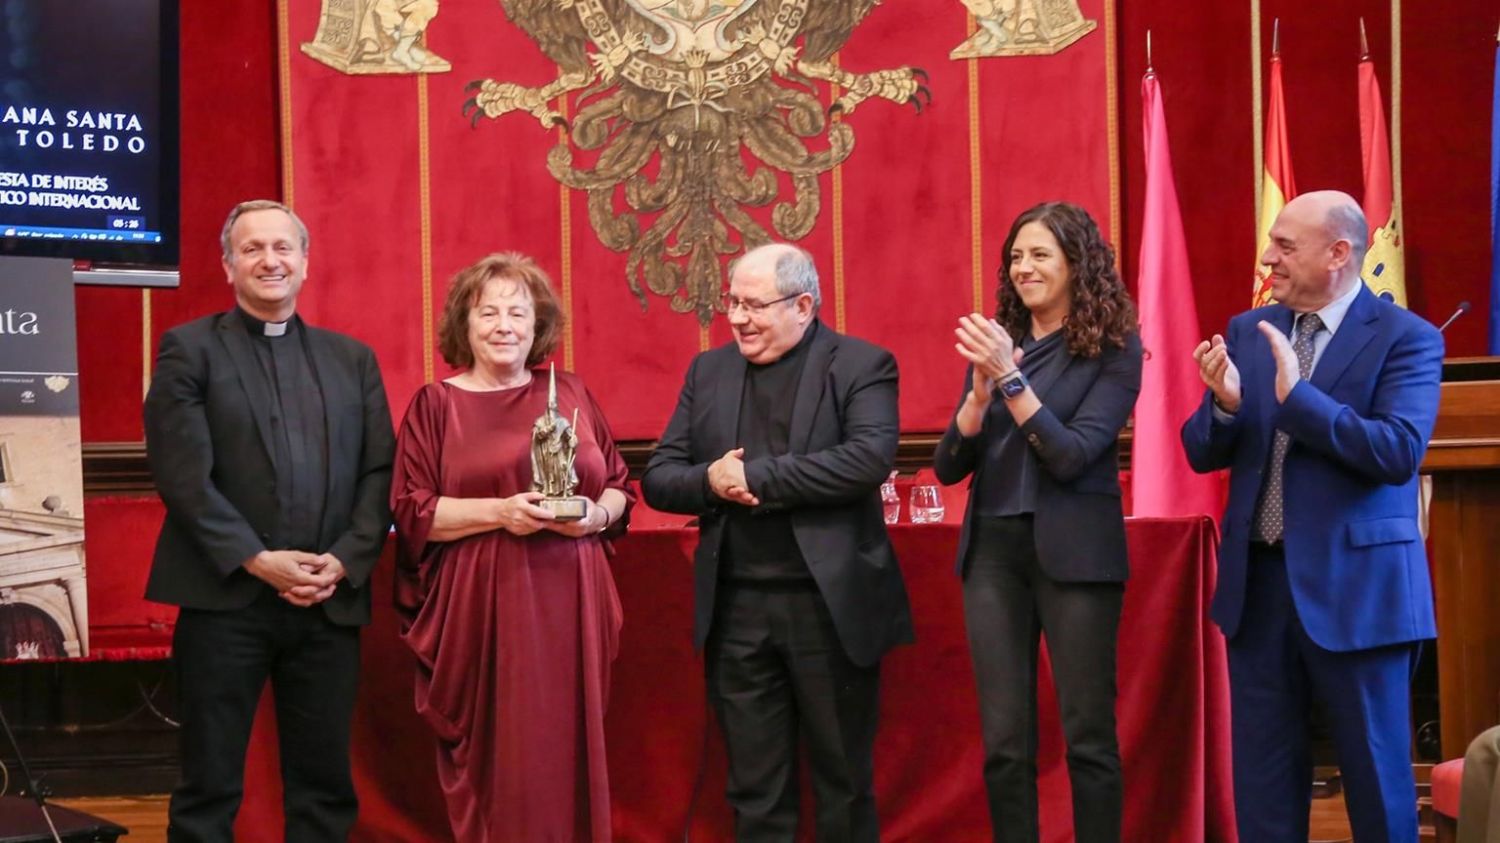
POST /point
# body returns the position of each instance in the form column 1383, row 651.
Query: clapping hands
column 1288, row 370
column 991, row 350
column 1219, row 373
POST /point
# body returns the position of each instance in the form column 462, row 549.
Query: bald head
column 773, row 297
column 1317, row 249
column 1340, row 217
column 792, row 268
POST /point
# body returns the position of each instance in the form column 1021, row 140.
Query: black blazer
column 844, row 432
column 208, row 441
column 1079, row 521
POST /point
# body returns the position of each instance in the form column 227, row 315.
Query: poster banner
column 635, row 148
column 43, row 597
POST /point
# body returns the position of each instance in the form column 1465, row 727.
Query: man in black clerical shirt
column 780, row 443
column 270, row 443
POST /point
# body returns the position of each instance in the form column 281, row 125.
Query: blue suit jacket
column 1359, row 427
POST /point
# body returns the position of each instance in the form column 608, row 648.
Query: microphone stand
column 1463, row 307
column 36, row 789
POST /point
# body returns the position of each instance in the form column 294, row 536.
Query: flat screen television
column 89, row 131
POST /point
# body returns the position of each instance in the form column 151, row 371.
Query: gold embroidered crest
column 673, row 95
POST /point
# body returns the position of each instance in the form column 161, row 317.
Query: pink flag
column 1162, row 482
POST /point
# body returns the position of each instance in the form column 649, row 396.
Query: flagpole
column 1494, row 327
column 1257, row 123
column 1398, row 209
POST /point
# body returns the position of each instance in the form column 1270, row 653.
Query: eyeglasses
column 729, row 304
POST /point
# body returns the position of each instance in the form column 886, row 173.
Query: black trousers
column 223, row 660
column 776, row 672
column 1008, row 604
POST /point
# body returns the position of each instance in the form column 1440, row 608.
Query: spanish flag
column 1385, row 265
column 1277, row 185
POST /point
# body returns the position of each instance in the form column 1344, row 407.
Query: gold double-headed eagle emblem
column 686, row 111
column 672, row 94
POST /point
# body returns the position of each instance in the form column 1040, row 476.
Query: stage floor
column 146, row 816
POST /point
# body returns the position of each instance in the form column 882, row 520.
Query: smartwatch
column 1013, row 384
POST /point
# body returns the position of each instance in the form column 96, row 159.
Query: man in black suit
column 270, row 443
column 780, row 443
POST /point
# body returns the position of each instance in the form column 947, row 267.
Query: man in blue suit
column 1321, row 406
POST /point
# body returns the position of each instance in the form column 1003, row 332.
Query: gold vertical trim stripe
column 424, row 190
column 1257, row 121
column 976, row 184
column 838, row 248
column 838, row 221
column 284, row 67
column 1112, row 116
column 145, row 340
column 565, row 247
column 1398, row 212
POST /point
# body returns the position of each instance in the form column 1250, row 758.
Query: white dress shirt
column 1332, row 315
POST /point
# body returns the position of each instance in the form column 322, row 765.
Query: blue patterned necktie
column 1270, row 520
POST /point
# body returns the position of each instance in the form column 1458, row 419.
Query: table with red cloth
column 1173, row 708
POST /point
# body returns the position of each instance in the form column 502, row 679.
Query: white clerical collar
column 260, row 327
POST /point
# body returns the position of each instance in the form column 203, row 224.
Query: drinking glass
column 891, row 500
column 926, row 505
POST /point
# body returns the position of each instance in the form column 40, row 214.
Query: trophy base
column 566, row 509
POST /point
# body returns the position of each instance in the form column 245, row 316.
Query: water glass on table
column 926, row 505
column 890, row 499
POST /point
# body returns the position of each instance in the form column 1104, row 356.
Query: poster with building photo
column 43, row 599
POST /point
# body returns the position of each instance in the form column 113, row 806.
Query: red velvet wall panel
column 1202, row 54
column 1448, row 51
column 894, row 240
column 231, row 152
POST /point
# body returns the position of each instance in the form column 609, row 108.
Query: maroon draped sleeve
column 415, row 489
column 616, row 472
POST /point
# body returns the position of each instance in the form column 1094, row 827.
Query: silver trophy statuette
column 554, row 444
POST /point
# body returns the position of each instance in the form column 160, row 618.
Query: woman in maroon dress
column 512, row 614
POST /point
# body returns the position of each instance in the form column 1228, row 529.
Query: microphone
column 1463, row 307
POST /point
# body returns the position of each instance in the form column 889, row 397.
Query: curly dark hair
column 1101, row 310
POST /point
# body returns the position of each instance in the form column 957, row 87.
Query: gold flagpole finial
column 1276, row 38
column 1364, row 43
column 1149, row 67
